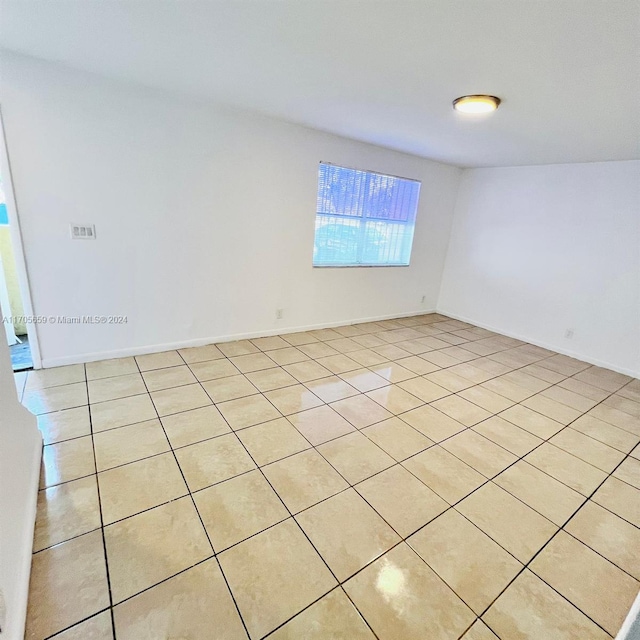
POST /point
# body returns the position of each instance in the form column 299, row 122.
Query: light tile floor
column 417, row 478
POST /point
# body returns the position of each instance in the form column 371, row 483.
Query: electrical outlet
column 568, row 334
column 423, row 299
column 82, row 231
column 279, row 313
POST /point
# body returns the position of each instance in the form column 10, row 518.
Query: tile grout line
column 102, row 533
column 363, row 428
column 402, row 539
column 562, row 528
column 525, row 566
column 396, row 462
column 511, row 370
column 489, row 480
column 193, row 502
column 399, row 416
column 57, row 634
column 139, row 371
column 259, row 468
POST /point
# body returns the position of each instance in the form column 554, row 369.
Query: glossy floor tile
column 597, row 587
column 468, row 560
column 74, row 567
column 274, row 575
column 402, row 597
column 333, row 616
column 409, row 478
column 347, row 532
column 304, row 479
column 511, row 523
column 153, row 545
column 65, row 511
column 529, row 608
column 175, row 608
column 238, row 508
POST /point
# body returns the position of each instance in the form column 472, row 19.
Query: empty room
column 321, row 319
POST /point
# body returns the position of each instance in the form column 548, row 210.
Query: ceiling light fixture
column 476, row 104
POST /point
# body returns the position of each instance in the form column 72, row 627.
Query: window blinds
column 363, row 218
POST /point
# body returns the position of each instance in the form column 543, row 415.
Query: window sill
column 359, row 266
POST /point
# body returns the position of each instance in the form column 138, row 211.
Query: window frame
column 361, row 220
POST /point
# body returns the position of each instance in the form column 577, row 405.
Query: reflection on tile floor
column 417, row 478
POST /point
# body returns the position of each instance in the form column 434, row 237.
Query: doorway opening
column 13, row 315
column 15, row 299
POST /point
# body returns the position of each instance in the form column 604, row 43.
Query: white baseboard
column 544, row 345
column 630, row 629
column 198, row 342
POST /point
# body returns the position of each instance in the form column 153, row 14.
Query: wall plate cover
column 82, row 231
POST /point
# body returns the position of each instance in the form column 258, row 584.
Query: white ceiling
column 568, row 71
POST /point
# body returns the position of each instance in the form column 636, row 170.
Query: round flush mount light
column 476, row 104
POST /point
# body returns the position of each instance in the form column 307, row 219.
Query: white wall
column 535, row 251
column 204, row 217
column 20, row 449
column 205, row 223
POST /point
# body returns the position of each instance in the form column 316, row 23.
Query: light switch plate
column 82, row 231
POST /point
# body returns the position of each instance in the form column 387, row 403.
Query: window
column 363, row 218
